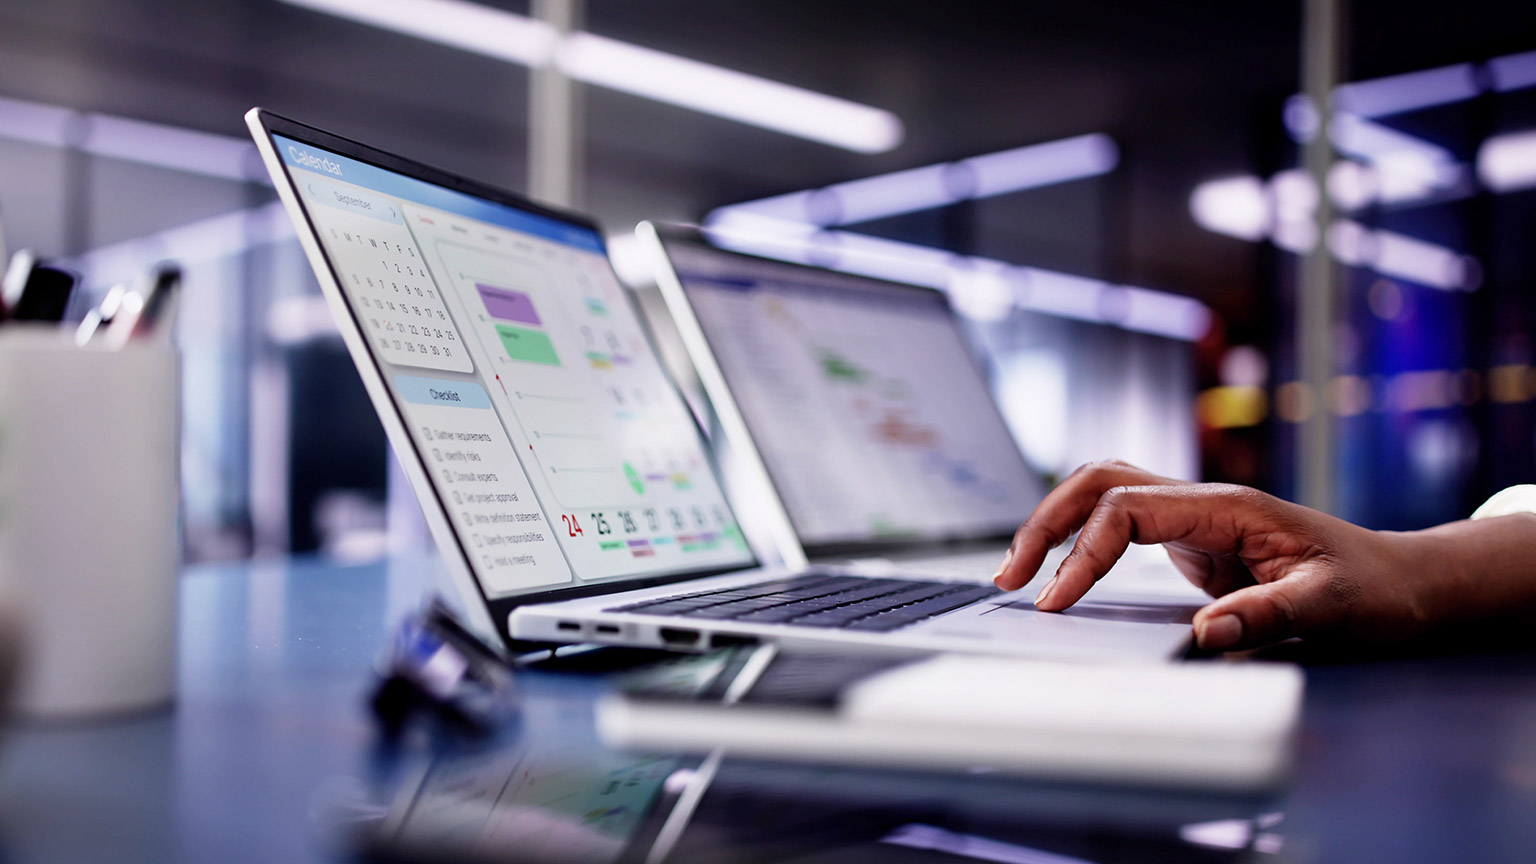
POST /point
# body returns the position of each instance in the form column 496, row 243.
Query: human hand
column 1278, row 569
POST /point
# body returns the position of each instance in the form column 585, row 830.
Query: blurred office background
column 1133, row 283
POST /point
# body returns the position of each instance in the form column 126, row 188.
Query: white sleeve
column 1515, row 499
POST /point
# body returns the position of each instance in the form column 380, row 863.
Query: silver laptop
column 560, row 471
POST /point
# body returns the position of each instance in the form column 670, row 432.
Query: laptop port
column 679, row 636
column 568, row 625
column 725, row 640
column 608, row 629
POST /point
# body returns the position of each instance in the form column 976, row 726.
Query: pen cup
column 88, row 521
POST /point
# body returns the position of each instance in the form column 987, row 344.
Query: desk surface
column 1401, row 760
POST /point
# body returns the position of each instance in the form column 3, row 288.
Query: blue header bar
column 325, row 163
column 449, row 394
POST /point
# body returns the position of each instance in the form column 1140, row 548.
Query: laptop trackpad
column 1123, row 612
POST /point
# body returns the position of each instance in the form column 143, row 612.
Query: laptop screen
column 870, row 413
column 556, row 445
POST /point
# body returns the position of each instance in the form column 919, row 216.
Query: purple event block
column 508, row 305
column 639, row 542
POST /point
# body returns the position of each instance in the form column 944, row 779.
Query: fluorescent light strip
column 1514, row 72
column 1444, row 85
column 885, row 259
column 1246, row 208
column 202, row 240
column 1381, row 97
column 1508, row 162
column 35, row 122
column 1235, row 206
column 1393, row 254
column 729, row 94
column 630, row 69
column 1407, row 168
column 941, row 184
column 1042, row 164
column 1005, row 285
column 169, row 147
column 886, row 195
column 1374, row 142
column 140, row 141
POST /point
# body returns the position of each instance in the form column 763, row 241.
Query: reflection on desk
column 1423, row 759
column 547, row 792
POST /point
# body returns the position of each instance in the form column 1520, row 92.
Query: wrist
column 1435, row 576
column 1481, row 569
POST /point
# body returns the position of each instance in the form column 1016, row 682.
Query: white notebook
column 1209, row 724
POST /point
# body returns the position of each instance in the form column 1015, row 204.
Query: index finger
column 1064, row 511
column 1210, row 516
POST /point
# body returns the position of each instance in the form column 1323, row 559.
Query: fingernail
column 1220, row 632
column 1003, row 566
column 1046, row 591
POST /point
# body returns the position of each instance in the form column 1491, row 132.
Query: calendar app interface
column 557, row 446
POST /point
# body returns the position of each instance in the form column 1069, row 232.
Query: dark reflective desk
column 1405, row 760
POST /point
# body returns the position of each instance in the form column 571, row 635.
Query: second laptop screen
column 871, row 416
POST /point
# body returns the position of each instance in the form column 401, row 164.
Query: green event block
column 529, row 346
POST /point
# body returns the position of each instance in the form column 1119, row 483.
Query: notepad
column 1208, row 725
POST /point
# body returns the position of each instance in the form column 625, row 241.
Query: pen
column 159, row 315
column 4, row 250
column 101, row 316
column 143, row 307
column 14, row 282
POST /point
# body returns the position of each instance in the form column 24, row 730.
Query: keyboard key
column 821, row 600
column 911, row 614
column 881, row 595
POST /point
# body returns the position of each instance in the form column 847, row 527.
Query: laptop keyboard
column 859, row 603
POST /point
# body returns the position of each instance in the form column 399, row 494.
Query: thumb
column 1262, row 614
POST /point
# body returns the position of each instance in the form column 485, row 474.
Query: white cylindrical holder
column 88, row 520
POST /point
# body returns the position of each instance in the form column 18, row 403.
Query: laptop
column 863, row 424
column 560, row 471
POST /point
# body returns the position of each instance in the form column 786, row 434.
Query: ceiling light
column 730, row 94
column 1508, row 162
column 985, row 292
column 942, row 184
column 1514, row 72
column 1164, row 314
column 1396, row 94
column 171, row 147
column 202, row 240
column 886, row 259
column 1351, row 185
column 885, row 195
column 1064, row 295
column 1042, row 164
column 1417, row 261
column 630, row 69
column 35, row 122
column 1373, row 141
column 1297, row 236
column 1047, row 292
column 1294, row 195
column 1235, row 206
column 139, row 141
